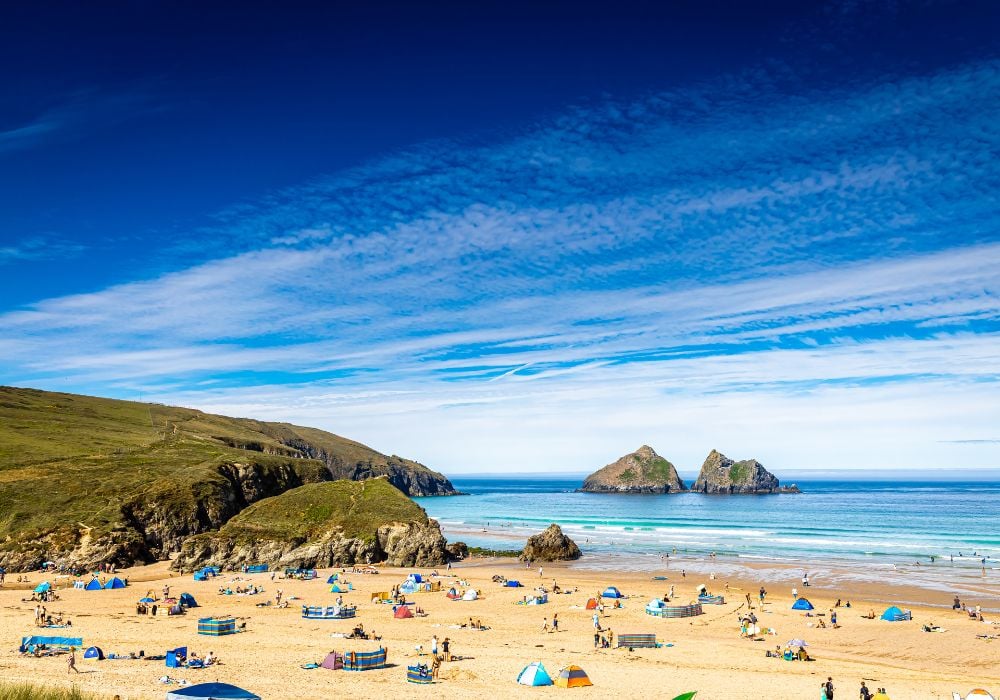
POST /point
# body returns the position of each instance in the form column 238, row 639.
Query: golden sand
column 707, row 655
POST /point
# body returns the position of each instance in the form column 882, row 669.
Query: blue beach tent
column 416, row 578
column 802, row 604
column 211, row 691
column 200, row 576
column 43, row 587
column 894, row 614
column 534, row 674
column 612, row 592
column 188, row 601
column 94, row 585
column 94, row 653
column 114, row 582
column 513, row 584
column 333, row 578
column 175, row 656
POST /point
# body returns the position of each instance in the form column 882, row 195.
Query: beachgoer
column 555, row 622
column 545, row 624
column 828, row 688
column 539, row 572
column 434, row 645
column 833, row 617
column 446, row 648
column 597, row 639
column 763, row 594
column 435, row 666
column 71, row 661
column 597, row 622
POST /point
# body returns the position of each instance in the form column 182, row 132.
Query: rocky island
column 333, row 523
column 86, row 480
column 642, row 471
column 721, row 475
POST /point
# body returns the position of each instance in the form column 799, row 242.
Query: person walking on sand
column 827, row 688
column 545, row 624
column 597, row 622
column 555, row 622
column 539, row 572
column 71, row 661
column 864, row 693
column 434, row 646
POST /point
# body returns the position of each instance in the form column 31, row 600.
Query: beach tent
column 211, row 691
column 94, row 585
column 470, row 595
column 257, row 569
column 147, row 599
column 402, row 612
column 333, row 578
column 408, row 587
column 200, row 576
column 114, row 582
column 979, row 694
column 802, row 604
column 94, row 653
column 572, row 677
column 612, row 592
column 175, row 657
column 686, row 696
column 592, row 604
column 513, row 584
column 416, row 578
column 894, row 614
column 332, row 662
column 655, row 607
column 188, row 601
column 43, row 587
column 534, row 674
column 346, row 587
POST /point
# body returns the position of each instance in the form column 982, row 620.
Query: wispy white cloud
column 728, row 254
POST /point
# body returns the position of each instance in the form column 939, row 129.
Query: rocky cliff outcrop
column 721, row 475
column 642, row 471
column 92, row 480
column 326, row 524
column 550, row 545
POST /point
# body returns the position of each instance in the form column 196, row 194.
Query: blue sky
column 504, row 238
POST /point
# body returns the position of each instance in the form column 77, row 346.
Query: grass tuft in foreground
column 26, row 691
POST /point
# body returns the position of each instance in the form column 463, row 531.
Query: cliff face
column 319, row 525
column 642, row 471
column 721, row 475
column 86, row 480
column 550, row 545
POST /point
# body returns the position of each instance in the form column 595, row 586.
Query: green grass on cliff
column 357, row 508
column 70, row 463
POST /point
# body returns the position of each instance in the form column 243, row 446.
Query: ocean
column 868, row 527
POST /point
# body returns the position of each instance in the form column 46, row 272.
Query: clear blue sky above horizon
column 517, row 235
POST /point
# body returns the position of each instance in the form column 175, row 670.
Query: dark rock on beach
column 550, row 545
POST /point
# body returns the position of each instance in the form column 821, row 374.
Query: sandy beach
column 707, row 653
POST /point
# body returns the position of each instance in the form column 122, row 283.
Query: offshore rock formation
column 320, row 525
column 550, row 545
column 721, row 475
column 642, row 471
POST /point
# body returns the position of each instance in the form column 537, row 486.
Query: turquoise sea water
column 864, row 525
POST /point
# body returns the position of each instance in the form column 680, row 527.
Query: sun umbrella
column 798, row 643
column 43, row 587
column 146, row 600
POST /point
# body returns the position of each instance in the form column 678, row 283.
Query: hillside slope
column 85, row 479
column 332, row 523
